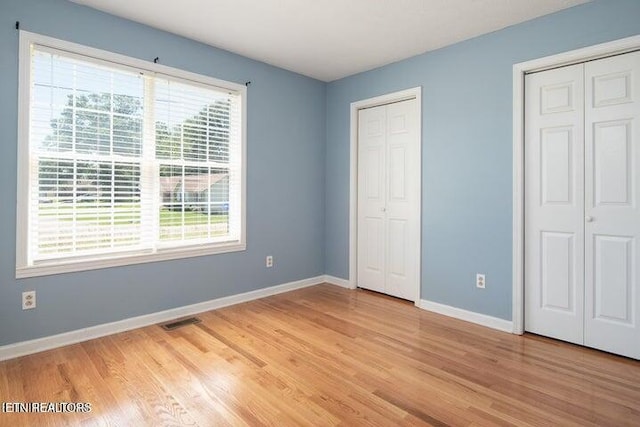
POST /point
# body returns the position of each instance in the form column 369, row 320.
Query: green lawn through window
column 123, row 214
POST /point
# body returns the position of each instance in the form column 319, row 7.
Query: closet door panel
column 372, row 129
column 554, row 203
column 403, row 200
column 612, row 195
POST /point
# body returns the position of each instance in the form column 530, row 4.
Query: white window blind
column 125, row 162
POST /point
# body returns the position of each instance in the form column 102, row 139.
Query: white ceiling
column 329, row 39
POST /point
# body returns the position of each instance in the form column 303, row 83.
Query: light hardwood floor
column 326, row 356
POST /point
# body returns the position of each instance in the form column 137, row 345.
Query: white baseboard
column 46, row 343
column 338, row 281
column 468, row 316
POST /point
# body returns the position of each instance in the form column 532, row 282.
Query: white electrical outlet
column 480, row 281
column 269, row 261
column 28, row 300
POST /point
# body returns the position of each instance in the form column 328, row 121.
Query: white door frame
column 519, row 70
column 413, row 93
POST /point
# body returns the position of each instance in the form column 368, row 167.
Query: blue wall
column 285, row 188
column 467, row 148
column 298, row 176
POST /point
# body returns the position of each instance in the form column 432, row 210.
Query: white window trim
column 23, row 270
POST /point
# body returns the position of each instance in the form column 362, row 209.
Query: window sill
column 70, row 266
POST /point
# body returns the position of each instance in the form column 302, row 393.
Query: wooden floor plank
column 325, row 355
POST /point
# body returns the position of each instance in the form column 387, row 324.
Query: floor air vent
column 180, row 323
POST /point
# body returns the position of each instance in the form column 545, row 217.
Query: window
column 123, row 161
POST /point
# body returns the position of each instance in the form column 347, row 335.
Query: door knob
column 588, row 218
column 383, row 209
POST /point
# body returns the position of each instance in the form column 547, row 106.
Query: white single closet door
column 389, row 199
column 612, row 230
column 554, row 203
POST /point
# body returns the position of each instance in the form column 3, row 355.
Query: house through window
column 123, row 161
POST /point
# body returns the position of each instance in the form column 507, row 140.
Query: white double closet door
column 582, row 195
column 388, row 242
